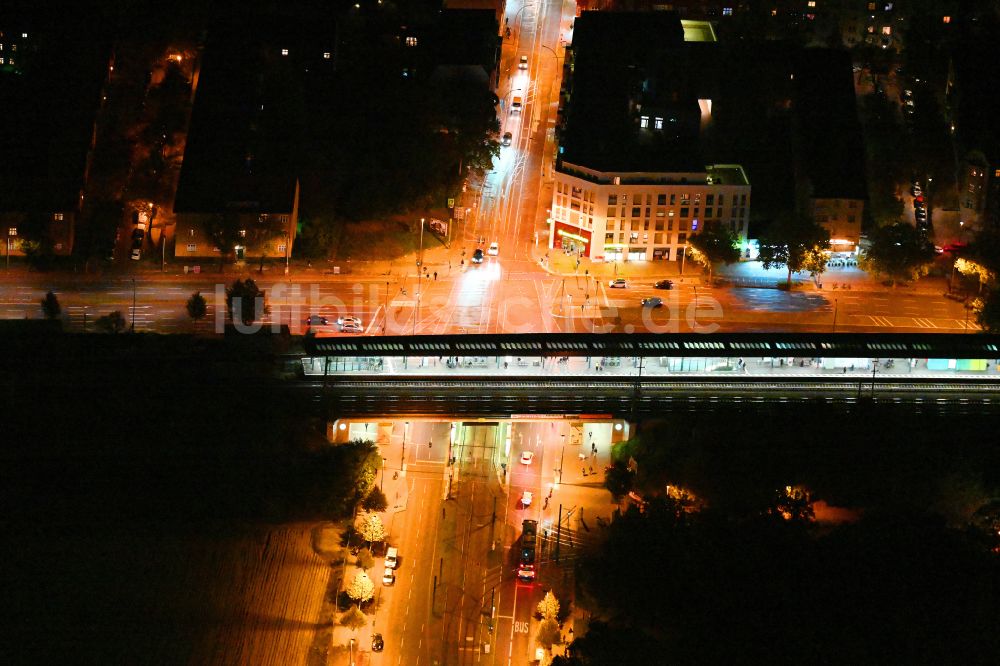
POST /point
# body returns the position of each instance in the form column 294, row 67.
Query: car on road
column 350, row 324
column 377, row 643
column 316, row 320
column 664, row 284
column 507, row 138
column 529, row 529
column 618, row 283
column 526, row 498
column 392, row 558
column 523, row 64
column 918, row 201
column 526, row 565
column 652, row 302
column 920, row 213
column 527, row 457
column 494, row 249
column 388, row 576
column 136, row 253
column 916, row 190
column 477, row 256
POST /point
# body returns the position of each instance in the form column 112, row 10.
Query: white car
column 527, row 457
column 618, row 283
column 350, row 324
column 523, row 64
column 526, row 498
column 494, row 249
column 388, row 577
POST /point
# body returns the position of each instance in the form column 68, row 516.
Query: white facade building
column 644, row 216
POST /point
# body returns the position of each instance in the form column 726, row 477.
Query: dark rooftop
column 245, row 142
column 49, row 111
column 628, row 65
column 467, row 37
column 831, row 148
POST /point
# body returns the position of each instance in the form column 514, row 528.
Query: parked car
column 652, row 302
column 392, row 558
column 138, row 235
column 136, row 254
column 316, row 320
column 618, row 283
column 388, row 576
column 526, row 498
column 377, row 643
column 507, row 138
column 523, row 64
column 664, row 284
column 527, row 457
column 494, row 249
column 477, row 256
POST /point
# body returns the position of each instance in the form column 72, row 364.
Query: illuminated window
column 192, row 247
column 243, row 233
column 191, row 233
column 281, row 248
column 284, row 52
column 658, row 123
column 871, row 30
column 1, row 46
column 727, row 11
column 644, row 122
column 871, row 6
column 1, row 60
column 24, row 35
column 774, row 12
column 411, row 41
column 946, row 19
column 10, row 61
column 887, row 30
column 12, row 231
column 326, row 55
column 996, row 174
column 811, row 3
column 57, row 217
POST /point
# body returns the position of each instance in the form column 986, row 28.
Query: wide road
column 507, row 293
column 491, row 298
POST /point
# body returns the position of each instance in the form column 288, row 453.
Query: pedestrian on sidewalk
column 435, row 276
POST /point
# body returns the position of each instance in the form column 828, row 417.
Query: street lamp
column 11, row 232
column 402, row 455
column 420, row 272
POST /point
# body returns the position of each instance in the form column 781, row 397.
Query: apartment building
column 52, row 83
column 635, row 216
column 630, row 183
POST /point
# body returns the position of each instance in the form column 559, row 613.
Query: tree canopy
column 196, row 306
column 795, row 242
column 362, row 588
column 716, row 244
column 898, row 251
column 245, row 301
column 372, row 529
column 354, row 618
column 50, row 306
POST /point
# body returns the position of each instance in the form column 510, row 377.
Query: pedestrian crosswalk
column 917, row 322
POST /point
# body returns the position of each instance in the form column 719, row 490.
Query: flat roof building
column 630, row 180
